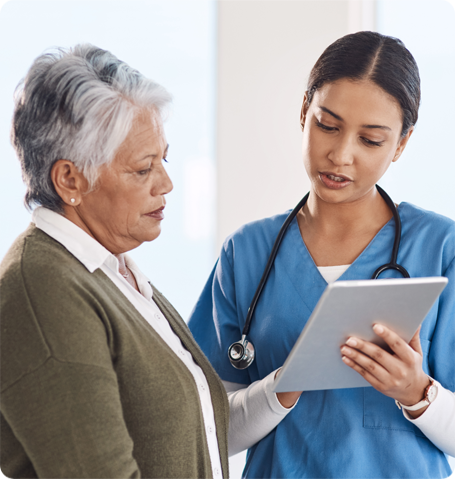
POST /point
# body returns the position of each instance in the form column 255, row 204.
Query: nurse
column 358, row 114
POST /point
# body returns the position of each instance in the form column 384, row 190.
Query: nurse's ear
column 304, row 110
column 402, row 144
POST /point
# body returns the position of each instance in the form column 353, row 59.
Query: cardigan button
column 216, row 471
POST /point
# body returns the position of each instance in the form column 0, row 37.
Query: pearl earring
column 72, row 200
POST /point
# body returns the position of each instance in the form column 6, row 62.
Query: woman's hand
column 398, row 375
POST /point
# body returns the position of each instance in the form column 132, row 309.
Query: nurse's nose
column 342, row 151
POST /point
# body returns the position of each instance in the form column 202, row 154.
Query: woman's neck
column 336, row 233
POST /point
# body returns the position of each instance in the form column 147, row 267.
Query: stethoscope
column 241, row 353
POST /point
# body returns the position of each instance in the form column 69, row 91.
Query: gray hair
column 79, row 105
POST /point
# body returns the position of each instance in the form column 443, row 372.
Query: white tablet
column 350, row 308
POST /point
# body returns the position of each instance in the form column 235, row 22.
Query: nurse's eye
column 324, row 127
column 371, row 142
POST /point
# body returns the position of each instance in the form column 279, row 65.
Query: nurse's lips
column 334, row 181
column 157, row 214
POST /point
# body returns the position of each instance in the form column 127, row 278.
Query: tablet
column 350, row 308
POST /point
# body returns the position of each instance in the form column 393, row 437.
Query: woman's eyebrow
column 150, row 155
column 338, row 117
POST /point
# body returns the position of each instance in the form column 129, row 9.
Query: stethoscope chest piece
column 241, row 353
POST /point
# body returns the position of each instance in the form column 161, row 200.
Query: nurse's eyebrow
column 338, row 117
column 382, row 127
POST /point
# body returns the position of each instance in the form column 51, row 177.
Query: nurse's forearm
column 438, row 421
column 288, row 399
column 254, row 412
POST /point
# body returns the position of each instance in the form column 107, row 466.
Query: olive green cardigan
column 88, row 388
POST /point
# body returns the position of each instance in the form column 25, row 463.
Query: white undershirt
column 93, row 256
column 332, row 273
column 255, row 410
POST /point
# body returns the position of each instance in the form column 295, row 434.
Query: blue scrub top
column 355, row 433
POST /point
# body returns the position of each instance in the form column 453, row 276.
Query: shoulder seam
column 224, row 251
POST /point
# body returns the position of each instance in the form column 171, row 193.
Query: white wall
column 266, row 49
column 265, row 52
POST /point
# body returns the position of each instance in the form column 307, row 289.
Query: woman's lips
column 334, row 181
column 157, row 214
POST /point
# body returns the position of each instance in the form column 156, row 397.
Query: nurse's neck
column 336, row 233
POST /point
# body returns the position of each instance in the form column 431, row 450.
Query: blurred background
column 237, row 70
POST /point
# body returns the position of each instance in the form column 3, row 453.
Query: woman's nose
column 163, row 185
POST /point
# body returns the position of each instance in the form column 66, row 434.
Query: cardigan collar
column 85, row 248
column 79, row 243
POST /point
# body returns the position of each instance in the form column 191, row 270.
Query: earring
column 73, row 200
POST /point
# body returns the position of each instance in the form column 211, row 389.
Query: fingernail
column 345, row 350
column 351, row 342
column 378, row 328
column 345, row 359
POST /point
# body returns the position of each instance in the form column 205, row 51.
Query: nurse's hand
column 398, row 375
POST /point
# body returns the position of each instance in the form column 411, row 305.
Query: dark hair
column 371, row 56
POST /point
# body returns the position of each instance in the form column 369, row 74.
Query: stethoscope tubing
column 270, row 261
column 392, row 265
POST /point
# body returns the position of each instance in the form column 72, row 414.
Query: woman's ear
column 304, row 110
column 69, row 182
column 402, row 144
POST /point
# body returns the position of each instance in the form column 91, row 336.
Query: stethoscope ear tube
column 241, row 353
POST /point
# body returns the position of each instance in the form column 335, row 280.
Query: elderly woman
column 100, row 376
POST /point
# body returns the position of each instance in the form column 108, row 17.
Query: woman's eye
column 371, row 142
column 324, row 127
column 144, row 172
